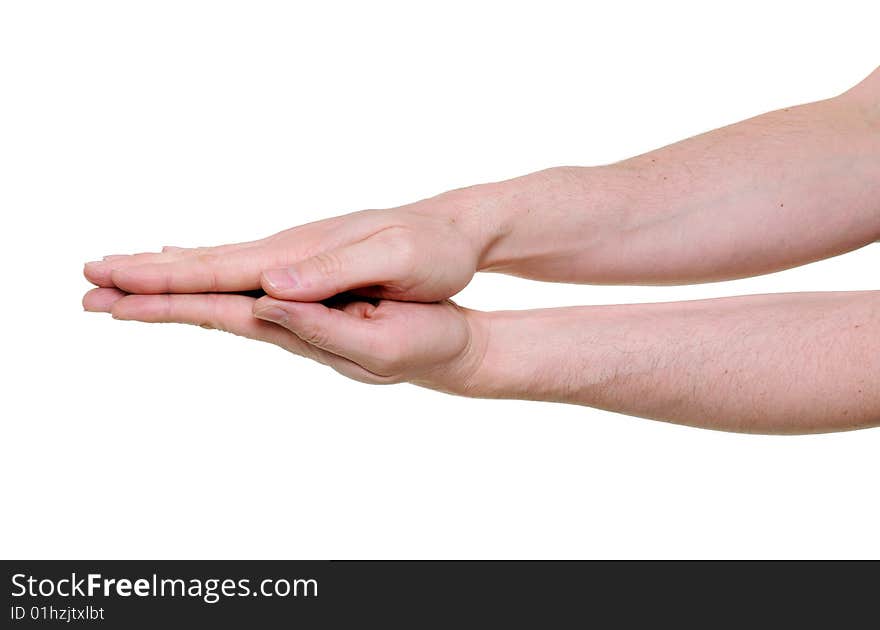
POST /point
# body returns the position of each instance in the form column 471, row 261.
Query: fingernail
column 94, row 262
column 281, row 279
column 272, row 314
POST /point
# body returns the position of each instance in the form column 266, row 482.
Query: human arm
column 772, row 192
column 775, row 191
column 782, row 363
column 788, row 363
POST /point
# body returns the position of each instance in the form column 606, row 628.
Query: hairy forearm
column 790, row 363
column 779, row 190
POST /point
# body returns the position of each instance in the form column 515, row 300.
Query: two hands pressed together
column 368, row 293
column 363, row 293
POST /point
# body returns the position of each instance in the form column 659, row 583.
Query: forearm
column 772, row 192
column 791, row 363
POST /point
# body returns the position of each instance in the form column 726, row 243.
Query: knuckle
column 315, row 336
column 326, row 264
column 211, row 317
column 168, row 312
column 209, row 262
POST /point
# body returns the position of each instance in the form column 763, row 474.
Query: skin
column 765, row 194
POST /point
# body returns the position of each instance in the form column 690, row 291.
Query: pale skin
column 769, row 193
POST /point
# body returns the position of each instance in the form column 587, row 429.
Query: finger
column 362, row 264
column 204, row 271
column 99, row 272
column 100, row 300
column 222, row 312
column 347, row 333
column 231, row 313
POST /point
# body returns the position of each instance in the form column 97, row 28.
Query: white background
column 125, row 126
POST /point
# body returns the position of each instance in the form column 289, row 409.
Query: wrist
column 482, row 213
column 477, row 371
column 557, row 224
column 507, row 356
column 539, row 224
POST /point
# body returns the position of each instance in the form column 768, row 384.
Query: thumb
column 349, row 333
column 324, row 275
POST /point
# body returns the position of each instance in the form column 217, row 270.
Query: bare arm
column 768, row 193
column 772, row 192
column 788, row 363
column 791, row 363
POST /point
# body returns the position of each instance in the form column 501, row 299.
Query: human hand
column 437, row 345
column 425, row 252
